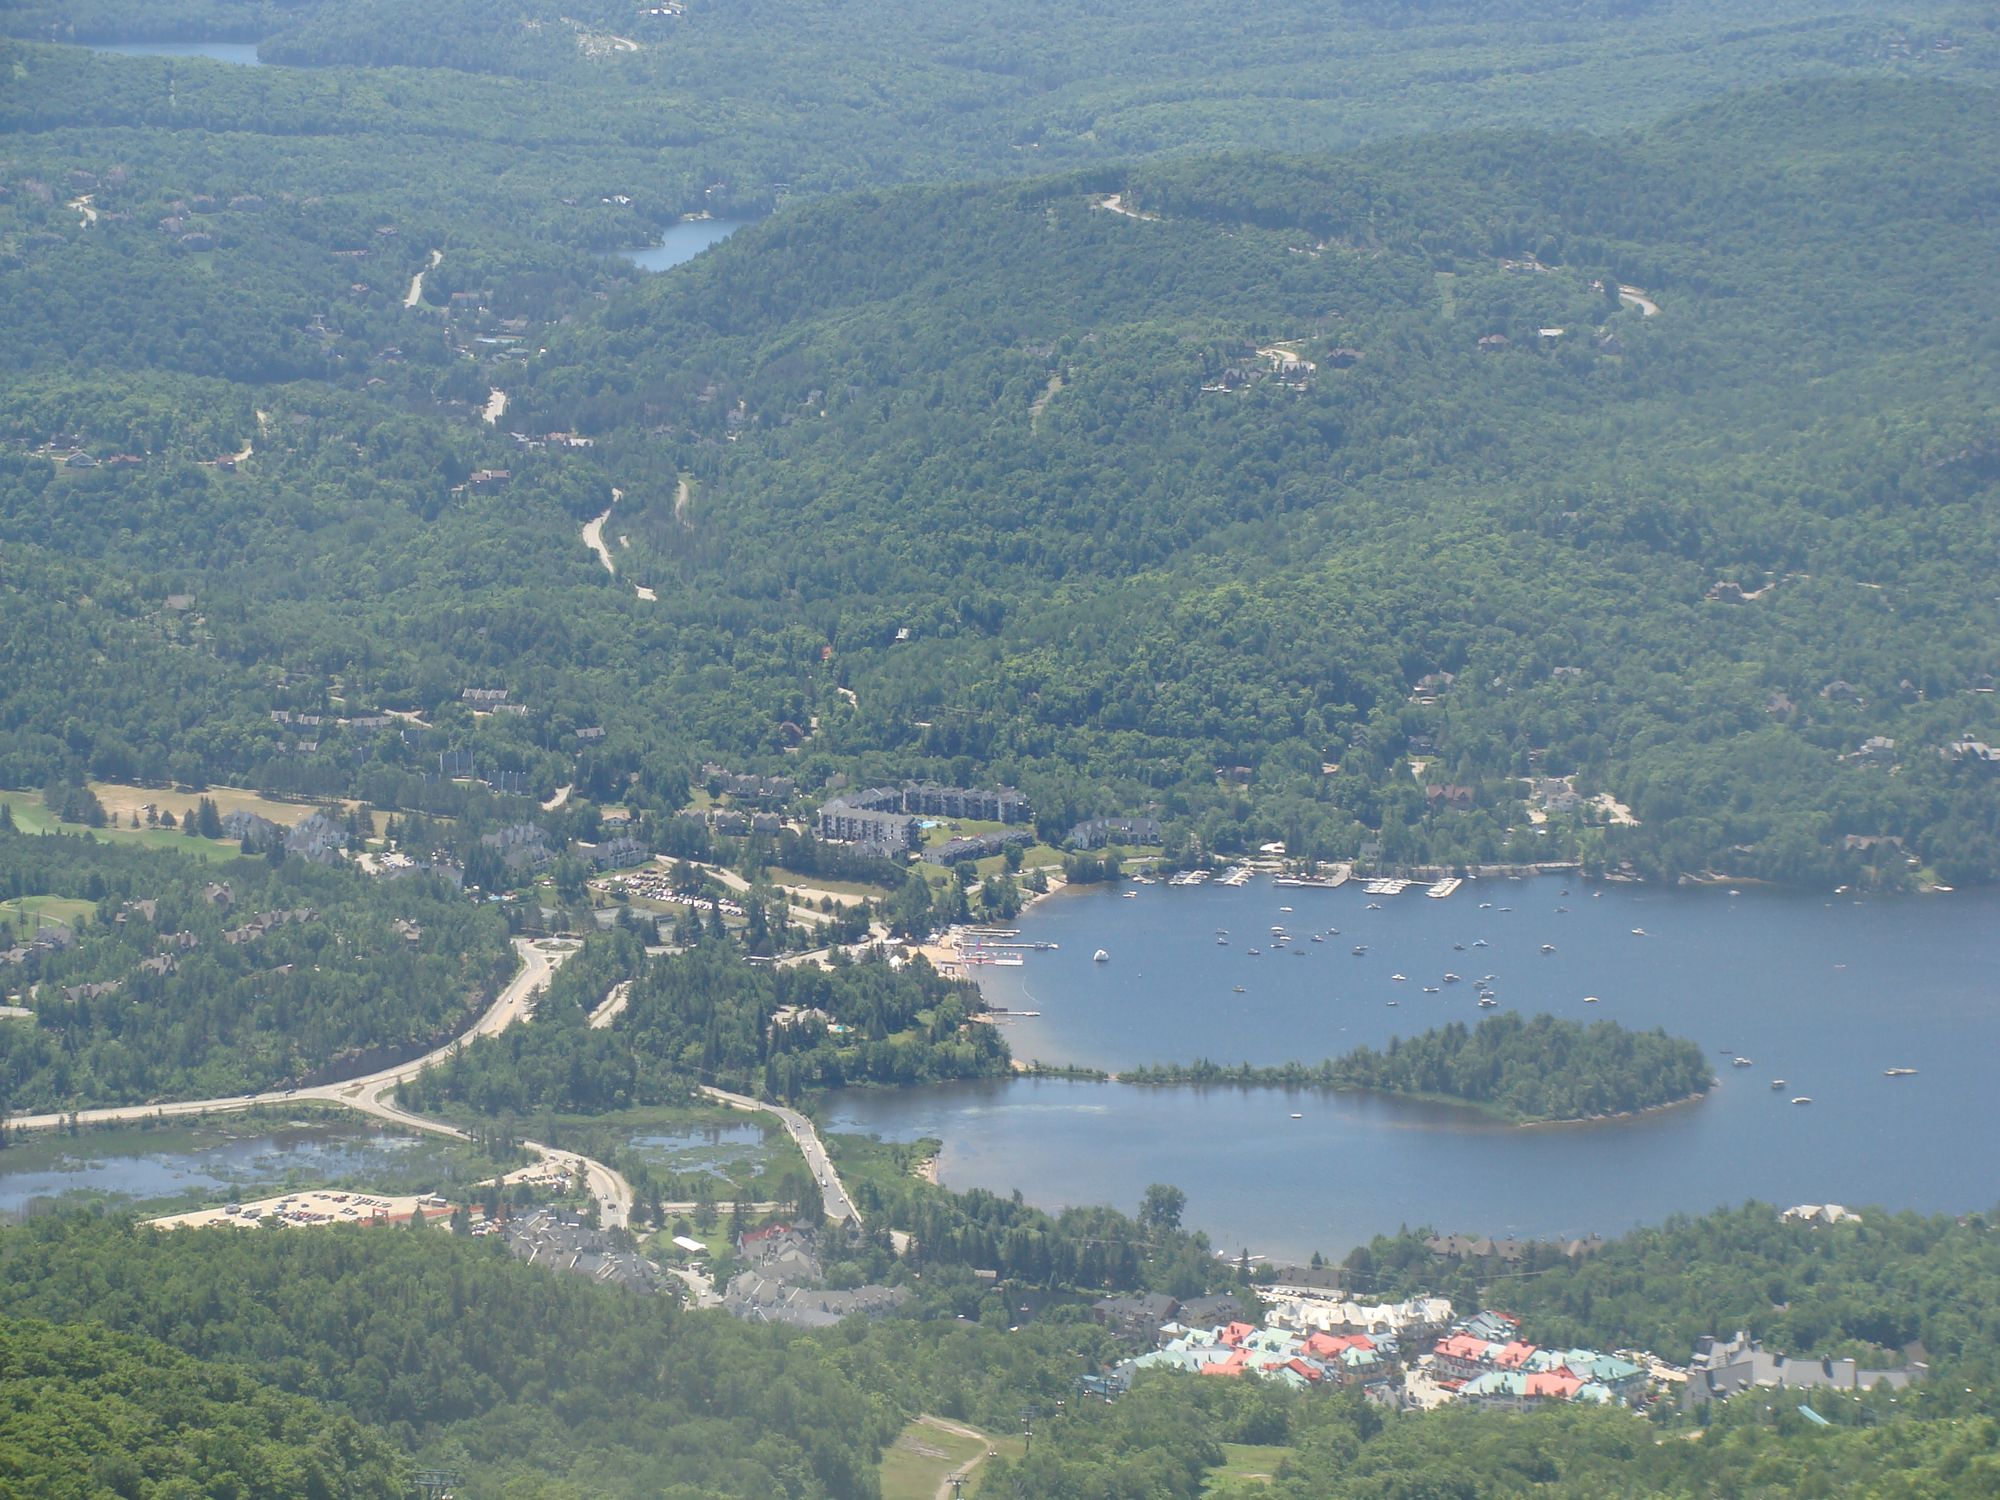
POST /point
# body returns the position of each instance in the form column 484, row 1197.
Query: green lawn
column 1246, row 1468
column 30, row 816
column 64, row 909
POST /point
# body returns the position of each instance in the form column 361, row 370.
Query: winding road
column 370, row 1094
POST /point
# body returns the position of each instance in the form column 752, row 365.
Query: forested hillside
column 1316, row 484
column 1206, row 484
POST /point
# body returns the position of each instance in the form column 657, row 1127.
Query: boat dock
column 1332, row 881
column 1444, row 888
column 1188, row 877
column 1240, row 875
column 1388, row 887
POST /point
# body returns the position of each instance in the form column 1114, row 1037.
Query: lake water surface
column 682, row 242
column 124, row 1165
column 1821, row 991
column 244, row 54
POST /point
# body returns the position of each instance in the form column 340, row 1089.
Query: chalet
column 1095, row 833
column 1452, row 795
column 1139, row 1316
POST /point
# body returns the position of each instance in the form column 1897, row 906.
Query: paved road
column 370, row 1094
column 832, row 1193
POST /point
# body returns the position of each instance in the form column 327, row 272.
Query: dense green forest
column 706, row 1016
column 1539, row 1069
column 84, row 1412
column 1710, row 563
column 180, row 978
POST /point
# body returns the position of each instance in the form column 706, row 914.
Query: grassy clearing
column 923, row 1455
column 121, row 800
column 779, row 875
column 1246, row 1468
column 30, row 816
column 29, row 912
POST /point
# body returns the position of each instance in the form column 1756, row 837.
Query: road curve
column 370, row 1094
column 833, row 1194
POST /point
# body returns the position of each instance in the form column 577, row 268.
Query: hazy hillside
column 980, row 415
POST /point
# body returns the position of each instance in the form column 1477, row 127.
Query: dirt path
column 415, row 295
column 561, row 796
column 593, row 537
column 1041, row 403
column 683, row 492
column 1115, row 202
column 496, row 406
column 964, row 1471
column 1633, row 296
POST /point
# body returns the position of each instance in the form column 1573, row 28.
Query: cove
column 1822, row 991
column 682, row 242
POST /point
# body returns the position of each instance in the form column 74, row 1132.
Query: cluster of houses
column 743, row 786
column 266, row 921
column 1484, row 1360
column 1414, row 1354
column 781, row 1283
column 1309, row 1338
column 559, row 1240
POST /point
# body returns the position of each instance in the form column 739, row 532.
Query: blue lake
column 682, row 242
column 244, row 54
column 1821, row 991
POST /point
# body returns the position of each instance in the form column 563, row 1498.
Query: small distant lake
column 683, row 242
column 243, row 54
column 1821, row 991
column 126, row 1167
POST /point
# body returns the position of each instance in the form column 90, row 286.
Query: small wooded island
column 1532, row 1071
